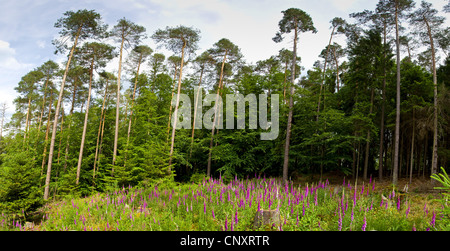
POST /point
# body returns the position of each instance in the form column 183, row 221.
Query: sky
column 27, row 27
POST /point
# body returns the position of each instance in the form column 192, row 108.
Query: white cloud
column 344, row 5
column 7, row 58
column 41, row 44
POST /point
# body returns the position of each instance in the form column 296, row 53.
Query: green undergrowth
column 215, row 205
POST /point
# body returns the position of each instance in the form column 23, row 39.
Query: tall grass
column 215, row 205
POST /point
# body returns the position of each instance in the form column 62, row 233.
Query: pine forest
column 359, row 141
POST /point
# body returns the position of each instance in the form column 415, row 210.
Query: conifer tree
column 298, row 21
column 75, row 26
column 180, row 39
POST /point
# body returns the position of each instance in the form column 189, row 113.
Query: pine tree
column 75, row 26
column 299, row 21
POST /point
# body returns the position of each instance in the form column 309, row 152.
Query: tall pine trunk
column 55, row 122
column 176, row 109
column 366, row 159
column 26, row 123
column 412, row 148
column 291, row 106
column 397, row 117
column 83, row 136
column 116, row 132
column 216, row 104
column 323, row 73
column 383, row 104
column 44, row 154
column 131, row 110
column 99, row 129
column 434, row 160
column 195, row 110
column 170, row 107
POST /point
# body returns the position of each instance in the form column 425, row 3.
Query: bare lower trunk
column 83, row 136
column 366, row 159
column 116, row 132
column 99, row 129
column 176, row 110
column 434, row 160
column 131, row 112
column 208, row 168
column 397, row 118
column 195, row 111
column 170, row 107
column 26, row 123
column 44, row 154
column 291, row 106
column 412, row 149
column 55, row 123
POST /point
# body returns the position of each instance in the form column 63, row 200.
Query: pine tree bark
column 216, row 104
column 383, row 104
column 170, row 107
column 44, row 154
column 55, row 122
column 366, row 159
column 397, row 117
column 176, row 109
column 116, row 132
column 99, row 129
column 26, row 123
column 131, row 110
column 291, row 106
column 86, row 115
column 195, row 110
column 434, row 160
column 412, row 148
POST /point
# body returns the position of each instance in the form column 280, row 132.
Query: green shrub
column 19, row 179
column 445, row 213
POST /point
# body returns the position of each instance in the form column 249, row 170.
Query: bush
column 445, row 213
column 19, row 179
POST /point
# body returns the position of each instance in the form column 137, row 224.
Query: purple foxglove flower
column 340, row 222
column 363, row 228
column 433, row 219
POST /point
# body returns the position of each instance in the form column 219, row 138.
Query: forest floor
column 179, row 208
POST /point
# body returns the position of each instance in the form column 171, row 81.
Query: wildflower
column 351, row 217
column 226, row 224
column 363, row 228
column 407, row 210
column 340, row 222
column 433, row 219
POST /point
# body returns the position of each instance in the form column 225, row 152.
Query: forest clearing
column 117, row 136
column 216, row 205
